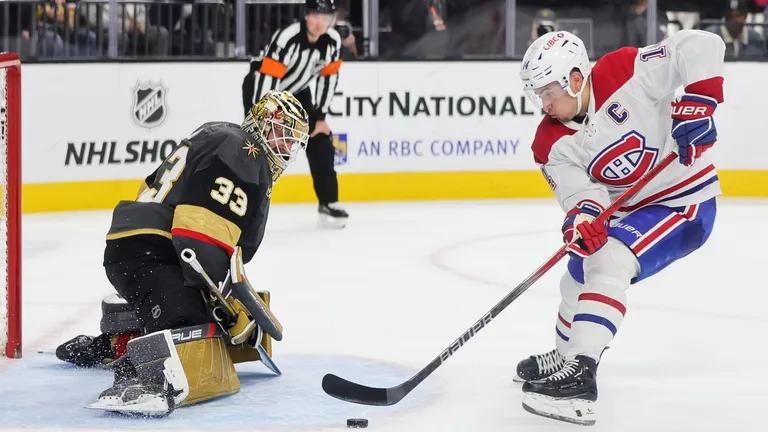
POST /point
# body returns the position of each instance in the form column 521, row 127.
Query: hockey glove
column 693, row 126
column 580, row 232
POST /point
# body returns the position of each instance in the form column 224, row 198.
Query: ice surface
column 46, row 393
column 378, row 300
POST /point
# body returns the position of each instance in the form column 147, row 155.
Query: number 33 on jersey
column 211, row 188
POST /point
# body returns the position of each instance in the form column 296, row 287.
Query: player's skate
column 568, row 394
column 539, row 366
column 149, row 379
column 332, row 216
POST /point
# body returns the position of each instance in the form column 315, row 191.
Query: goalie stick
column 349, row 391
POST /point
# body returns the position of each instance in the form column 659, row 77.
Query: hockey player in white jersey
column 605, row 127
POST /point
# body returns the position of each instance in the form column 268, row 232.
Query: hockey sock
column 569, row 291
column 602, row 303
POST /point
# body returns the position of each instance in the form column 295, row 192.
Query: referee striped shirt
column 291, row 63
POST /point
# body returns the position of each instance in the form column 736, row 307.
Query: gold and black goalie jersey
column 213, row 189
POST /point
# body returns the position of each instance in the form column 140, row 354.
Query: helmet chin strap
column 578, row 96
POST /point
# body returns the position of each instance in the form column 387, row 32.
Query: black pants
column 320, row 151
column 146, row 273
column 320, row 154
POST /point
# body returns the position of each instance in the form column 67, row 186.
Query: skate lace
column 549, row 362
column 569, row 368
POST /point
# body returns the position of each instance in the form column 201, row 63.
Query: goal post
column 10, row 209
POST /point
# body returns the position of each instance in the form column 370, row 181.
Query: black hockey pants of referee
column 320, row 154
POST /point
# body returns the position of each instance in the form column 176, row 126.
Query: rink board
column 362, row 187
column 404, row 130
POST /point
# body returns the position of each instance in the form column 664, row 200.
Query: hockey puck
column 358, row 423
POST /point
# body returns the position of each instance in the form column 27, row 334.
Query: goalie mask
column 279, row 120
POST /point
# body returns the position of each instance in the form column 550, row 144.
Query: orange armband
column 331, row 68
column 272, row 67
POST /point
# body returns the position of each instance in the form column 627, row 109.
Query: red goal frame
column 11, row 63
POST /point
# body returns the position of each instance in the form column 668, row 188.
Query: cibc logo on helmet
column 550, row 43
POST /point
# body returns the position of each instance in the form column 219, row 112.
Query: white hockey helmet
column 551, row 58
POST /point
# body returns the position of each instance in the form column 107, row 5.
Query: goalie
column 175, row 256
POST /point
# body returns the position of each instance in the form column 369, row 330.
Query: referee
column 299, row 57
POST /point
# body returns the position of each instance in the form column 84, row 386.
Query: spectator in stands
column 402, row 22
column 135, row 32
column 740, row 40
column 343, row 26
column 192, row 26
column 60, row 32
column 436, row 11
column 172, row 17
column 761, row 7
column 635, row 24
column 18, row 35
column 50, row 41
column 544, row 22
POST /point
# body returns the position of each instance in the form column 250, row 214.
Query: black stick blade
column 355, row 393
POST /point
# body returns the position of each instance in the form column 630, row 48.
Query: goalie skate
column 149, row 379
column 132, row 397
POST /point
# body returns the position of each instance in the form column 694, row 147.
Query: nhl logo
column 149, row 109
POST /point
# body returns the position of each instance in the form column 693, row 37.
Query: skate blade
column 325, row 221
column 151, row 406
column 577, row 411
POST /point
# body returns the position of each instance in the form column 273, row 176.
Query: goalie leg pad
column 207, row 363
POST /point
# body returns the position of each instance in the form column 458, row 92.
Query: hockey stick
column 349, row 391
column 189, row 257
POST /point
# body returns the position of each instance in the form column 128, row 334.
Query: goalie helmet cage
column 10, row 208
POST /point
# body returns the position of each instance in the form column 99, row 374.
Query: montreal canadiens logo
column 622, row 163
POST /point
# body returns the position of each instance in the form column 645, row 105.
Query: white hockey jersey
column 628, row 125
